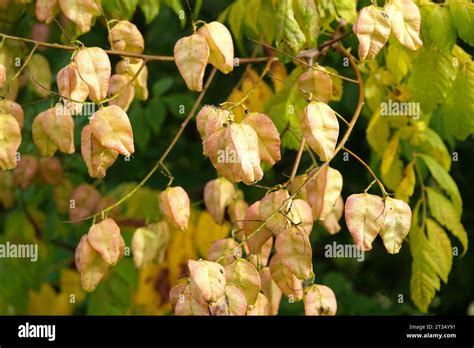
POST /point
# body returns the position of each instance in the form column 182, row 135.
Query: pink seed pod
column 175, row 206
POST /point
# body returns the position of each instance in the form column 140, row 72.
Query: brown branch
column 297, row 161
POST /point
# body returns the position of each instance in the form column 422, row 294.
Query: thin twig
column 297, row 161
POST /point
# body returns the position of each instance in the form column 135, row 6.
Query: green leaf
column 447, row 215
column 444, row 180
column 392, row 166
column 284, row 108
column 346, row 9
column 437, row 27
column 434, row 145
column 432, row 77
column 155, row 115
column 306, row 14
column 150, row 9
column 235, row 15
column 378, row 133
column 398, row 61
column 177, row 8
column 289, row 36
column 441, row 246
column 179, row 104
column 458, row 111
column 463, row 18
column 120, row 9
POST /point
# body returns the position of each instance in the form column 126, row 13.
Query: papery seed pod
column 289, row 285
column 104, row 203
column 111, row 127
column 90, row 264
column 135, row 69
column 320, row 128
column 235, row 154
column 125, row 36
column 7, row 189
column 218, row 194
column 10, row 133
column 255, row 239
column 405, row 21
column 372, row 29
column 81, row 12
column 237, row 210
column 210, row 119
column 25, row 171
column 93, row 66
column 121, row 92
column 39, row 75
column 317, row 82
column 3, row 75
column 323, row 191
column 175, row 206
column 51, row 171
column 273, row 201
column 364, row 215
column 295, row 187
column 261, row 259
column 300, row 215
column 209, row 278
column 220, row 44
column 261, row 306
column 175, row 292
column 294, row 249
column 106, row 239
column 245, row 275
column 226, row 250
column 46, row 10
column 271, row 290
column 70, row 85
column 58, row 125
column 319, row 300
column 97, row 157
column 9, row 107
column 331, row 222
column 149, row 243
column 268, row 136
column 396, row 224
column 190, row 302
column 83, row 202
column 232, row 303
column 191, row 54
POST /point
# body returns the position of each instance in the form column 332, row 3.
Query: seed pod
column 106, row 239
column 237, row 210
column 261, row 306
column 235, row 154
column 90, row 264
column 175, row 292
column 97, row 157
column 323, row 191
column 405, row 21
column 7, row 189
column 261, row 259
column 268, row 136
column 320, row 128
column 46, row 10
column 3, row 75
column 9, row 107
column 269, row 204
column 317, row 82
column 191, row 54
column 83, row 203
column 54, row 125
column 10, row 133
column 210, row 120
column 232, row 303
column 294, row 248
column 39, row 76
column 331, row 222
column 70, row 85
column 296, row 184
column 175, row 206
column 255, row 240
column 25, row 171
column 111, row 127
column 364, row 215
column 209, row 278
column 125, row 36
column 121, row 92
column 396, row 224
column 271, row 290
column 218, row 194
column 220, row 44
column 81, row 12
column 289, row 285
column 319, row 300
column 149, row 243
column 300, row 215
column 243, row 274
column 62, row 194
column 51, row 171
column 372, row 29
column 135, row 69
column 190, row 302
column 226, row 248
column 94, row 68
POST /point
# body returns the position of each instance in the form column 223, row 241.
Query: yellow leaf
column 407, row 186
column 48, row 302
column 207, row 232
column 70, row 284
column 151, row 296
